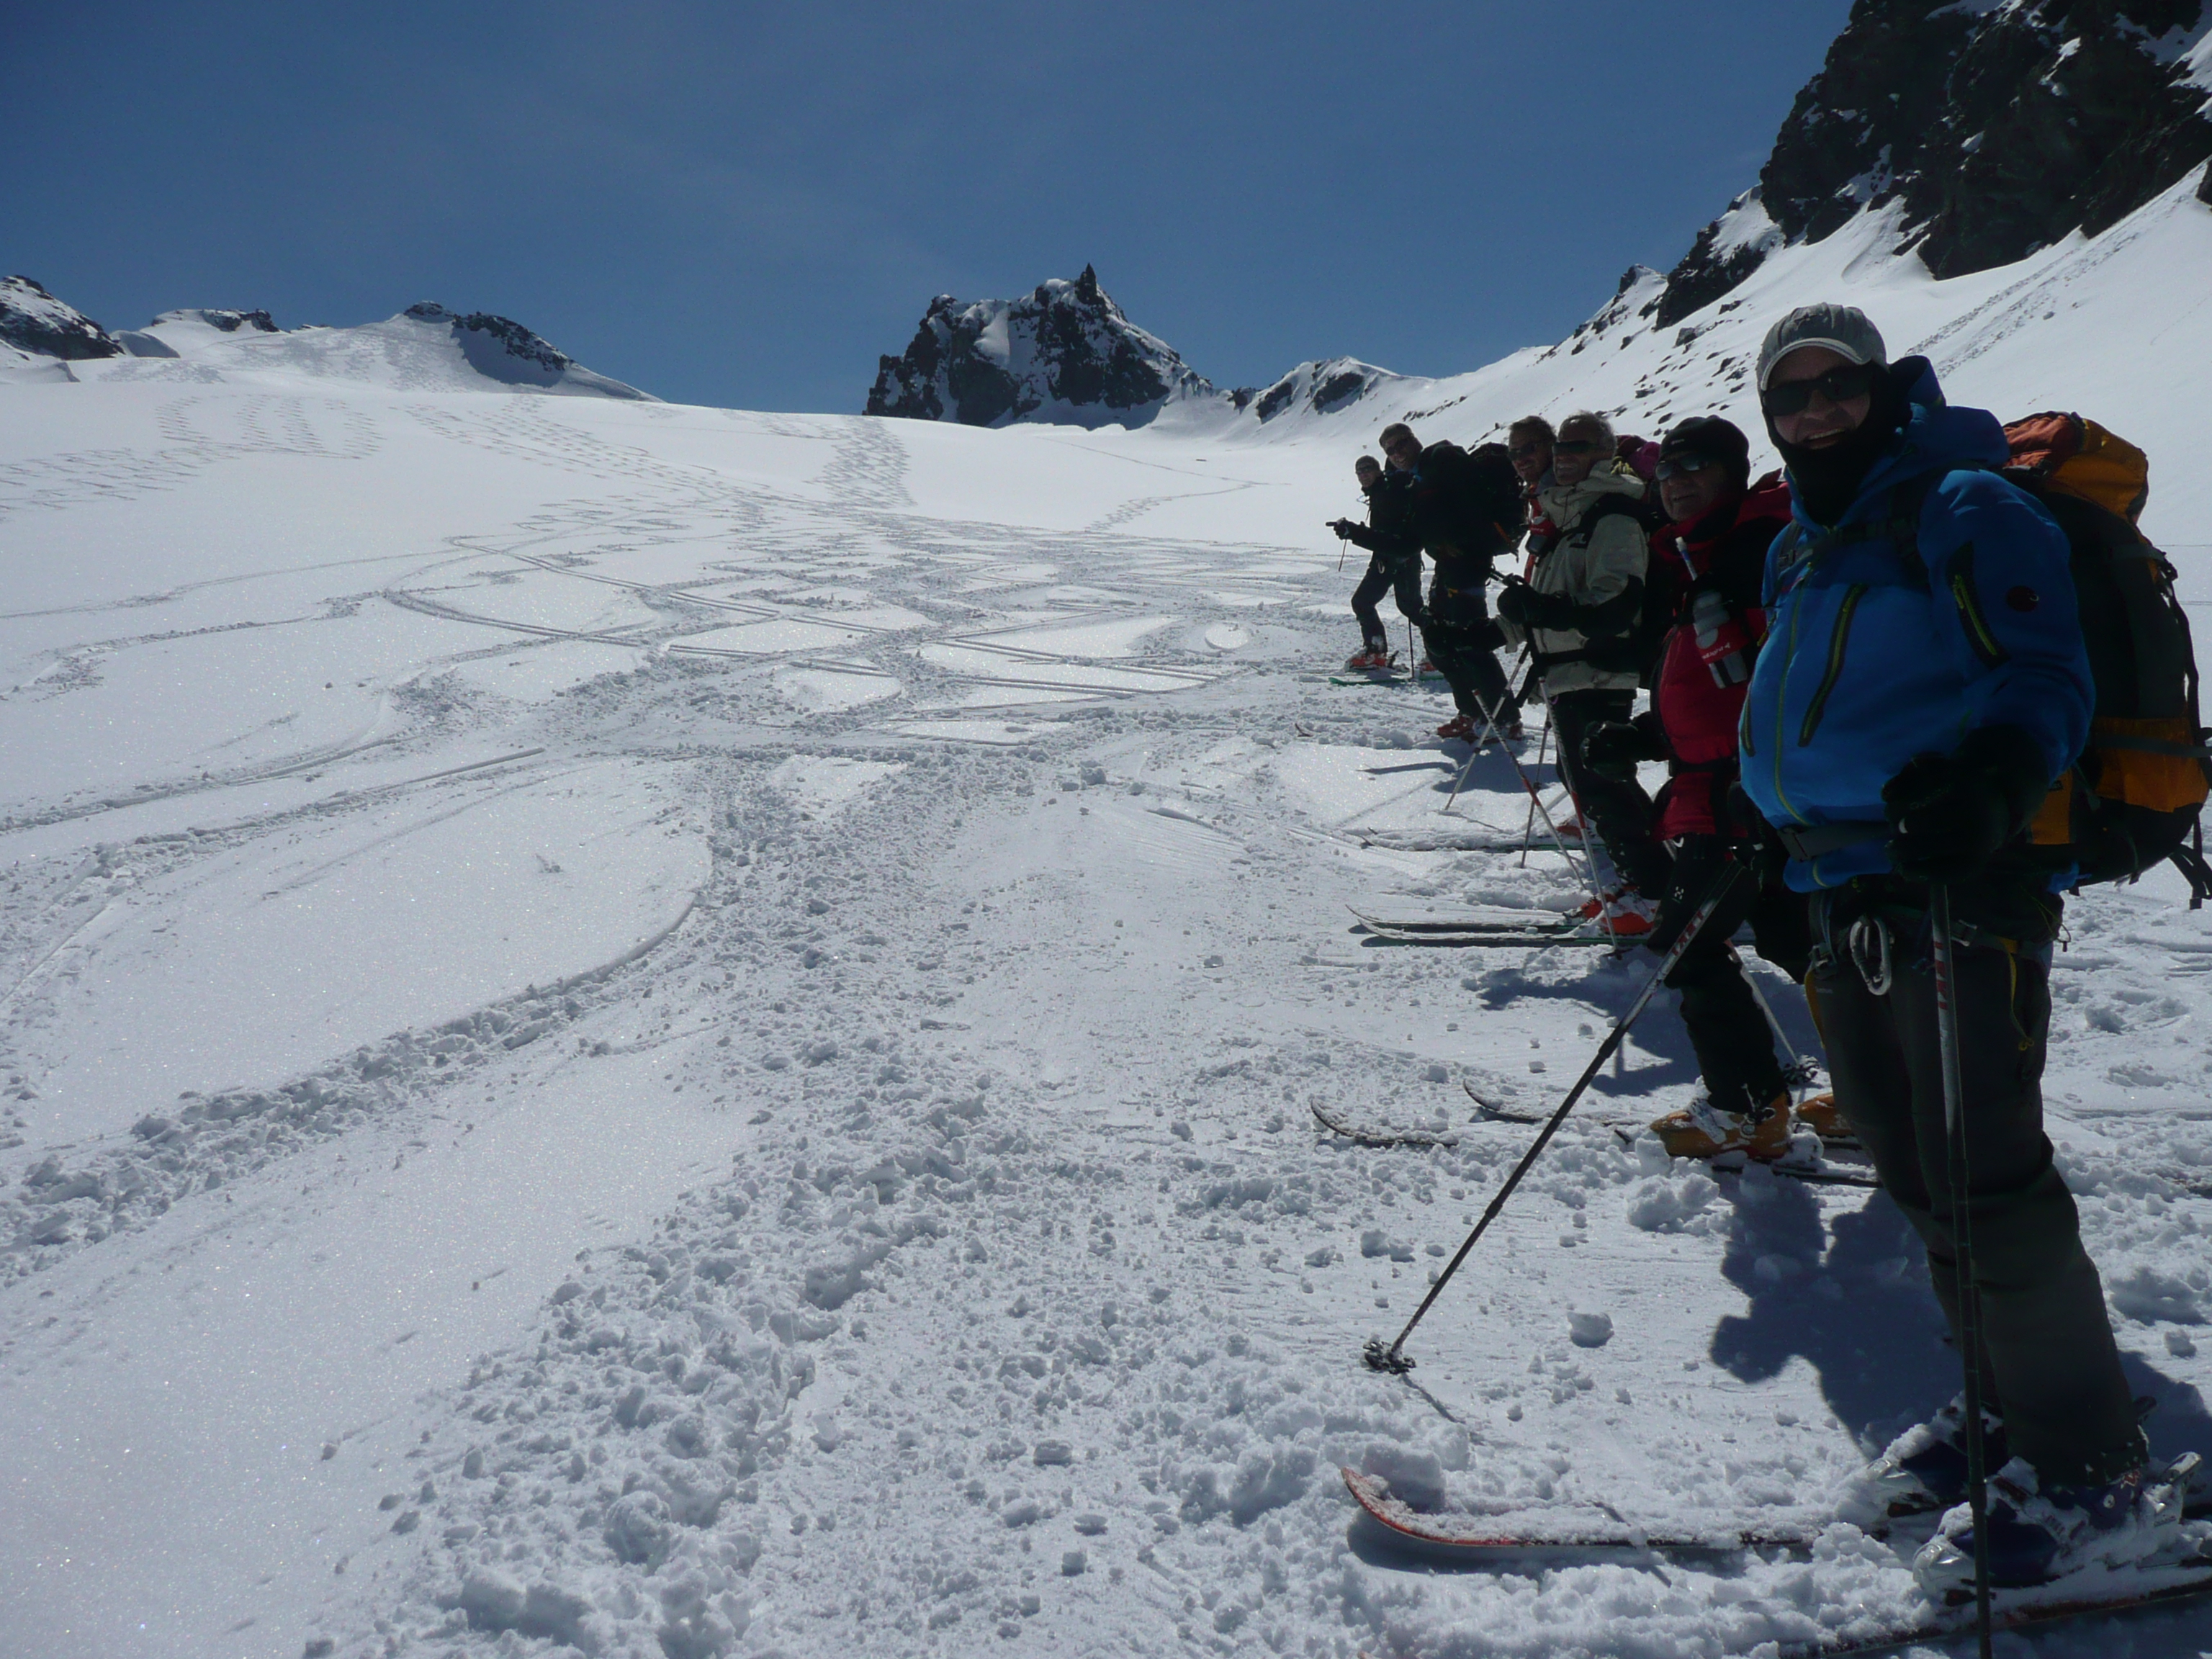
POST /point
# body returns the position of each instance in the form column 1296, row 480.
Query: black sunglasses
column 1838, row 385
column 1575, row 446
column 1675, row 465
column 1522, row 452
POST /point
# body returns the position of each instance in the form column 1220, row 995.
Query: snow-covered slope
column 424, row 348
column 2114, row 325
column 655, row 1031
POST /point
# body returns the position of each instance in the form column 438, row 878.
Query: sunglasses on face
column 1839, row 386
column 1525, row 452
column 1575, row 447
column 1678, row 464
column 1403, row 446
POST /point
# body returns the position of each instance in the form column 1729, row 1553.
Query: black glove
column 1951, row 812
column 1343, row 528
column 1753, row 837
column 1521, row 604
column 1618, row 745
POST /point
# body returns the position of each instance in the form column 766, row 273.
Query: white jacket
column 1593, row 560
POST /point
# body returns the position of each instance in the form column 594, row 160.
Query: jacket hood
column 1935, row 437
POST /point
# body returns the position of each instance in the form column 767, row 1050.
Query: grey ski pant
column 2048, row 1359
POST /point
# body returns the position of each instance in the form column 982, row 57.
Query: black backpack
column 1481, row 493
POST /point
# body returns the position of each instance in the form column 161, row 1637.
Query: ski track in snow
column 835, row 1172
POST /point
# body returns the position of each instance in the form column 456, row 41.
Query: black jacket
column 1391, row 532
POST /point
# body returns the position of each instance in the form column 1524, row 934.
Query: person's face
column 1691, row 486
column 1818, row 396
column 1404, row 453
column 1370, row 474
column 1531, row 457
column 1574, row 456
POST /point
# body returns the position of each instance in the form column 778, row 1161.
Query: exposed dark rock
column 2000, row 131
column 32, row 320
column 230, row 322
column 516, row 340
column 1066, row 352
column 1323, row 387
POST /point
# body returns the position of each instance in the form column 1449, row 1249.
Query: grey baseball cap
column 1843, row 330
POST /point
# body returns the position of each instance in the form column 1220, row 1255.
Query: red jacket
column 1723, row 552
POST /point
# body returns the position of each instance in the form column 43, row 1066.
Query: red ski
column 1470, row 1535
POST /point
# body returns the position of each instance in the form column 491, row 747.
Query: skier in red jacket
column 1713, row 551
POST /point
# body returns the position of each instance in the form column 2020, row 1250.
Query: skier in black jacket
column 1394, row 542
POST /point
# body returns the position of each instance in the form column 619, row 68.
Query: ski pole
column 1781, row 1037
column 1392, row 1358
column 1566, row 776
column 1490, row 735
column 1962, row 1241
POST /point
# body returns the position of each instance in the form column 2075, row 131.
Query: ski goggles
column 1675, row 465
column 1839, row 384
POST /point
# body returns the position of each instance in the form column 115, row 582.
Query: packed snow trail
column 691, row 1033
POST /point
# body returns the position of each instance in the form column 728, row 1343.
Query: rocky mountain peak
column 1065, row 352
column 33, row 321
column 2000, row 126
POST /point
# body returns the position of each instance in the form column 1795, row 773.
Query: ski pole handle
column 1391, row 1359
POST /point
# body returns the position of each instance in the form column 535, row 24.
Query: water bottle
column 1720, row 640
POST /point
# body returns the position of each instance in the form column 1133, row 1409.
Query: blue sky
column 745, row 204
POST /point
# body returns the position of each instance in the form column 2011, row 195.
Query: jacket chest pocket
column 1839, row 637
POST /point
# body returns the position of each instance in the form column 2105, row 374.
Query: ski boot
column 1703, row 1130
column 1817, row 1113
column 1923, row 1470
column 1624, row 912
column 2040, row 1532
column 1428, row 670
column 1460, row 728
column 1570, row 830
column 1374, row 660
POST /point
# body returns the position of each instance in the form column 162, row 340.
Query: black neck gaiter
column 1827, row 480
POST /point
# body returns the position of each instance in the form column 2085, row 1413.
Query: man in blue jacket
column 1924, row 681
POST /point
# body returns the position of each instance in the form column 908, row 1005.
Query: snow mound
column 425, row 347
column 1327, row 387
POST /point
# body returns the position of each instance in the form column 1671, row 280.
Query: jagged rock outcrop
column 1063, row 353
column 35, row 322
column 2000, row 128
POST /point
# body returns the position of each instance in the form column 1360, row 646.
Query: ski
column 2187, row 1580
column 1502, row 940
column 1389, row 842
column 1495, row 1114
column 1526, row 922
column 1378, row 1138
column 1468, row 1537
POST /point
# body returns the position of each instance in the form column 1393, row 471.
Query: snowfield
column 666, row 1031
